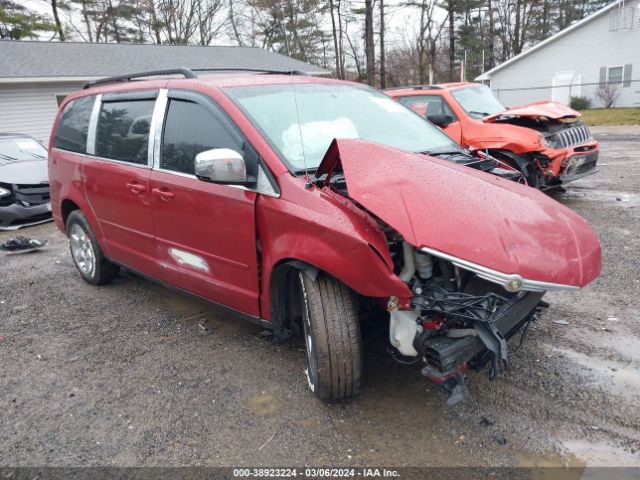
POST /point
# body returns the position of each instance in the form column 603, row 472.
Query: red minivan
column 309, row 205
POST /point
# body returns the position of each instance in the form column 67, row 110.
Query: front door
column 561, row 89
column 116, row 180
column 205, row 233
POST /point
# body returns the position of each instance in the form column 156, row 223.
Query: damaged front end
column 476, row 251
column 457, row 320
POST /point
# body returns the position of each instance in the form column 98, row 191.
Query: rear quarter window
column 71, row 132
column 123, row 130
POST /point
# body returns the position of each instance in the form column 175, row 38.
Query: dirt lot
column 131, row 374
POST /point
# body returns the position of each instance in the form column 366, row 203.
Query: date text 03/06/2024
column 315, row 472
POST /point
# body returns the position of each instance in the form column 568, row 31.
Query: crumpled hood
column 546, row 109
column 468, row 214
column 26, row 172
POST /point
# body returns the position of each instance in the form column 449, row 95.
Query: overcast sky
column 400, row 20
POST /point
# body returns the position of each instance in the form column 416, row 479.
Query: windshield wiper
column 474, row 112
column 33, row 154
column 9, row 158
column 441, row 152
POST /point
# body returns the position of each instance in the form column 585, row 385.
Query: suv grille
column 572, row 136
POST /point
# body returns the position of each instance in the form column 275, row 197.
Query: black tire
column 101, row 270
column 332, row 337
column 528, row 169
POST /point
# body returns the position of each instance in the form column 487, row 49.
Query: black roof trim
column 153, row 73
column 252, row 70
column 416, row 87
column 188, row 73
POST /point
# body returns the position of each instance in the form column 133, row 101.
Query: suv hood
column 544, row 109
column 25, row 172
column 470, row 215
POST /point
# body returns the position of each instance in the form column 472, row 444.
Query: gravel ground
column 131, row 374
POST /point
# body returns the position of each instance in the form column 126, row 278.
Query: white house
column 36, row 76
column 601, row 49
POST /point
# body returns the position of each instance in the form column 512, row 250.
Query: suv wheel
column 92, row 265
column 332, row 337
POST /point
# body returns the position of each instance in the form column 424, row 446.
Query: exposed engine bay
column 468, row 269
column 479, row 160
column 456, row 320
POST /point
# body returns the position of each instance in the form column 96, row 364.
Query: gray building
column 602, row 48
column 36, row 76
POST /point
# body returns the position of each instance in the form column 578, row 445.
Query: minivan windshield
column 477, row 101
column 301, row 120
column 19, row 149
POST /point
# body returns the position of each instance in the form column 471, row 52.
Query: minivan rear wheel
column 87, row 256
column 332, row 337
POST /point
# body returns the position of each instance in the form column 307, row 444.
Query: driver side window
column 428, row 105
column 190, row 129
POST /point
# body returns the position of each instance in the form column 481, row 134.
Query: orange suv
column 544, row 140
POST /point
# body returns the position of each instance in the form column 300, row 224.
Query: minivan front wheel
column 87, row 256
column 332, row 337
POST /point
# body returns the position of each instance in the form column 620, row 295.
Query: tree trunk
column 340, row 39
column 516, row 40
column 452, row 42
column 368, row 41
column 155, row 24
column 234, row 26
column 334, row 32
column 492, row 37
column 85, row 16
column 383, row 72
column 56, row 17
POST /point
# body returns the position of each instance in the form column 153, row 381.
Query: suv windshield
column 477, row 101
column 17, row 149
column 301, row 120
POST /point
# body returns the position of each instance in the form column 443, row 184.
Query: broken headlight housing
column 553, row 141
column 4, row 192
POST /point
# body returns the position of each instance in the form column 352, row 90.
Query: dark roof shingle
column 24, row 59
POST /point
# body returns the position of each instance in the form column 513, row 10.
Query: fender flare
column 521, row 161
column 524, row 164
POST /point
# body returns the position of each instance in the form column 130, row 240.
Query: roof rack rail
column 125, row 78
column 416, row 87
column 252, row 70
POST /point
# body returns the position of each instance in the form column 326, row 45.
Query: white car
column 24, row 182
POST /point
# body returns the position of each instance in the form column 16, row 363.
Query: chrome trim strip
column 110, row 160
column 155, row 131
column 502, row 279
column 93, row 125
column 268, row 191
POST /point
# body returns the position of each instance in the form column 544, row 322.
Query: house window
column 614, row 75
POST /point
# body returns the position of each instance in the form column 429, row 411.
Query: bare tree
column 209, row 20
column 337, row 33
column 607, row 93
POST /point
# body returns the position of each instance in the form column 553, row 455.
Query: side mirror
column 440, row 120
column 221, row 165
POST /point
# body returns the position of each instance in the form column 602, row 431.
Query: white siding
column 595, row 44
column 31, row 108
